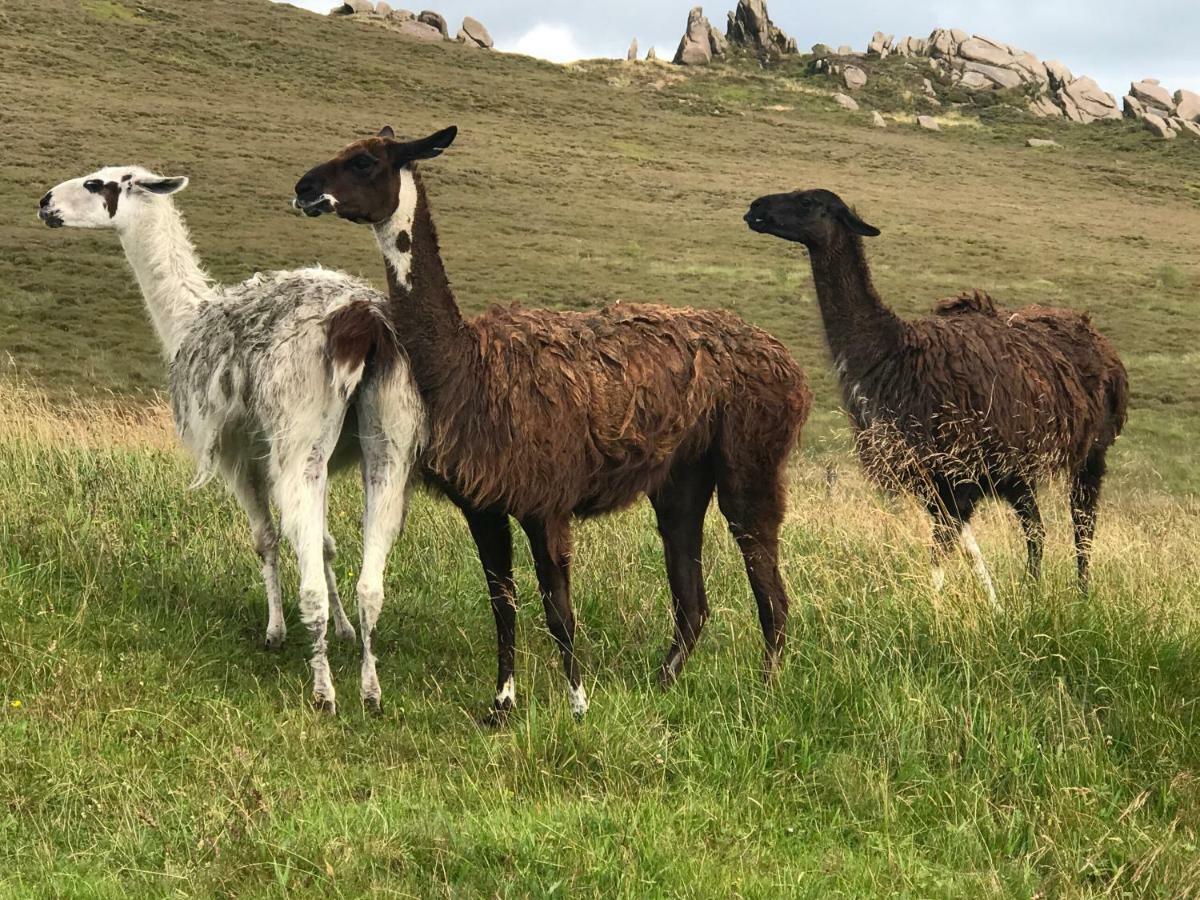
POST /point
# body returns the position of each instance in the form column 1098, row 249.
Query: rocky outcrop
column 854, row 78
column 751, row 28
column 651, row 55
column 877, row 119
column 473, row 34
column 418, row 30
column 1187, row 106
column 435, row 20
column 929, row 123
column 845, row 102
column 1158, row 126
column 979, row 63
column 425, row 26
column 700, row 43
column 632, row 54
column 1164, row 114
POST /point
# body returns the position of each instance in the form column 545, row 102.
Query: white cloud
column 555, row 43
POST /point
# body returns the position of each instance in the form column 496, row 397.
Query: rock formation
column 632, row 55
column 752, row 29
column 435, row 20
column 979, row 63
column 473, row 34
column 700, row 42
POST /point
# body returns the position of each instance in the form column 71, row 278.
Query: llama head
column 362, row 183
column 113, row 197
column 813, row 218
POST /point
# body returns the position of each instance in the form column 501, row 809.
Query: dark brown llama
column 542, row 415
column 968, row 402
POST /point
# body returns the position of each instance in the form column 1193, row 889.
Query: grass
column 915, row 746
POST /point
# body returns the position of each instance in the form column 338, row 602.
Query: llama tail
column 355, row 335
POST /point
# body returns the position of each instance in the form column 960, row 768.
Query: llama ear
column 426, row 148
column 387, row 132
column 162, row 186
column 850, row 219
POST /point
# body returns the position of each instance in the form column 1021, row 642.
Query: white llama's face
column 109, row 198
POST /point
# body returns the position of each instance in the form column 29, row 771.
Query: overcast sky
column 1114, row 42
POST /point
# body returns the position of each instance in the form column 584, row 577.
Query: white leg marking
column 508, row 694
column 972, row 547
column 579, row 700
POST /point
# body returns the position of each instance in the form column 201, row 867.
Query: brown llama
column 968, row 402
column 543, row 415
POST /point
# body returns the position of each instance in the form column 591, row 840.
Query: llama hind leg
column 551, row 546
column 680, row 505
column 341, row 623
column 493, row 539
column 754, row 508
column 1023, row 498
column 251, row 492
column 386, row 487
column 1085, row 496
column 300, row 493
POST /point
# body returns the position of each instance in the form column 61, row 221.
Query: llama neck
column 859, row 327
column 160, row 252
column 429, row 324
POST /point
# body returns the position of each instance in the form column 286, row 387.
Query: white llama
column 267, row 379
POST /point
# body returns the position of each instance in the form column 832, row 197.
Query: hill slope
column 570, row 187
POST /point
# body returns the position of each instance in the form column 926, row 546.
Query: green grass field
column 914, row 746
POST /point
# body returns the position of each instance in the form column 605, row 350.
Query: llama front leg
column 971, row 546
column 250, row 490
column 493, row 539
column 550, row 543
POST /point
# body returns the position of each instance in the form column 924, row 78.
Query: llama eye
column 362, row 163
column 94, row 186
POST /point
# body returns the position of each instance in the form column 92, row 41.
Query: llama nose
column 306, row 186
column 45, row 200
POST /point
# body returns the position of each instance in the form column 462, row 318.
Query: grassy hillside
column 915, row 745
column 574, row 187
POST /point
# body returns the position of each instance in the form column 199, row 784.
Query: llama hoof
column 771, row 670
column 374, row 706
column 325, row 706
column 274, row 641
column 497, row 716
column 345, row 632
column 666, row 678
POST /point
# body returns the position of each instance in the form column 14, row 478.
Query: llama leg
column 971, row 546
column 680, row 506
column 493, row 539
column 754, row 510
column 251, row 493
column 1024, row 502
column 945, row 536
column 341, row 624
column 551, row 546
column 300, row 493
column 1085, row 495
column 386, row 469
